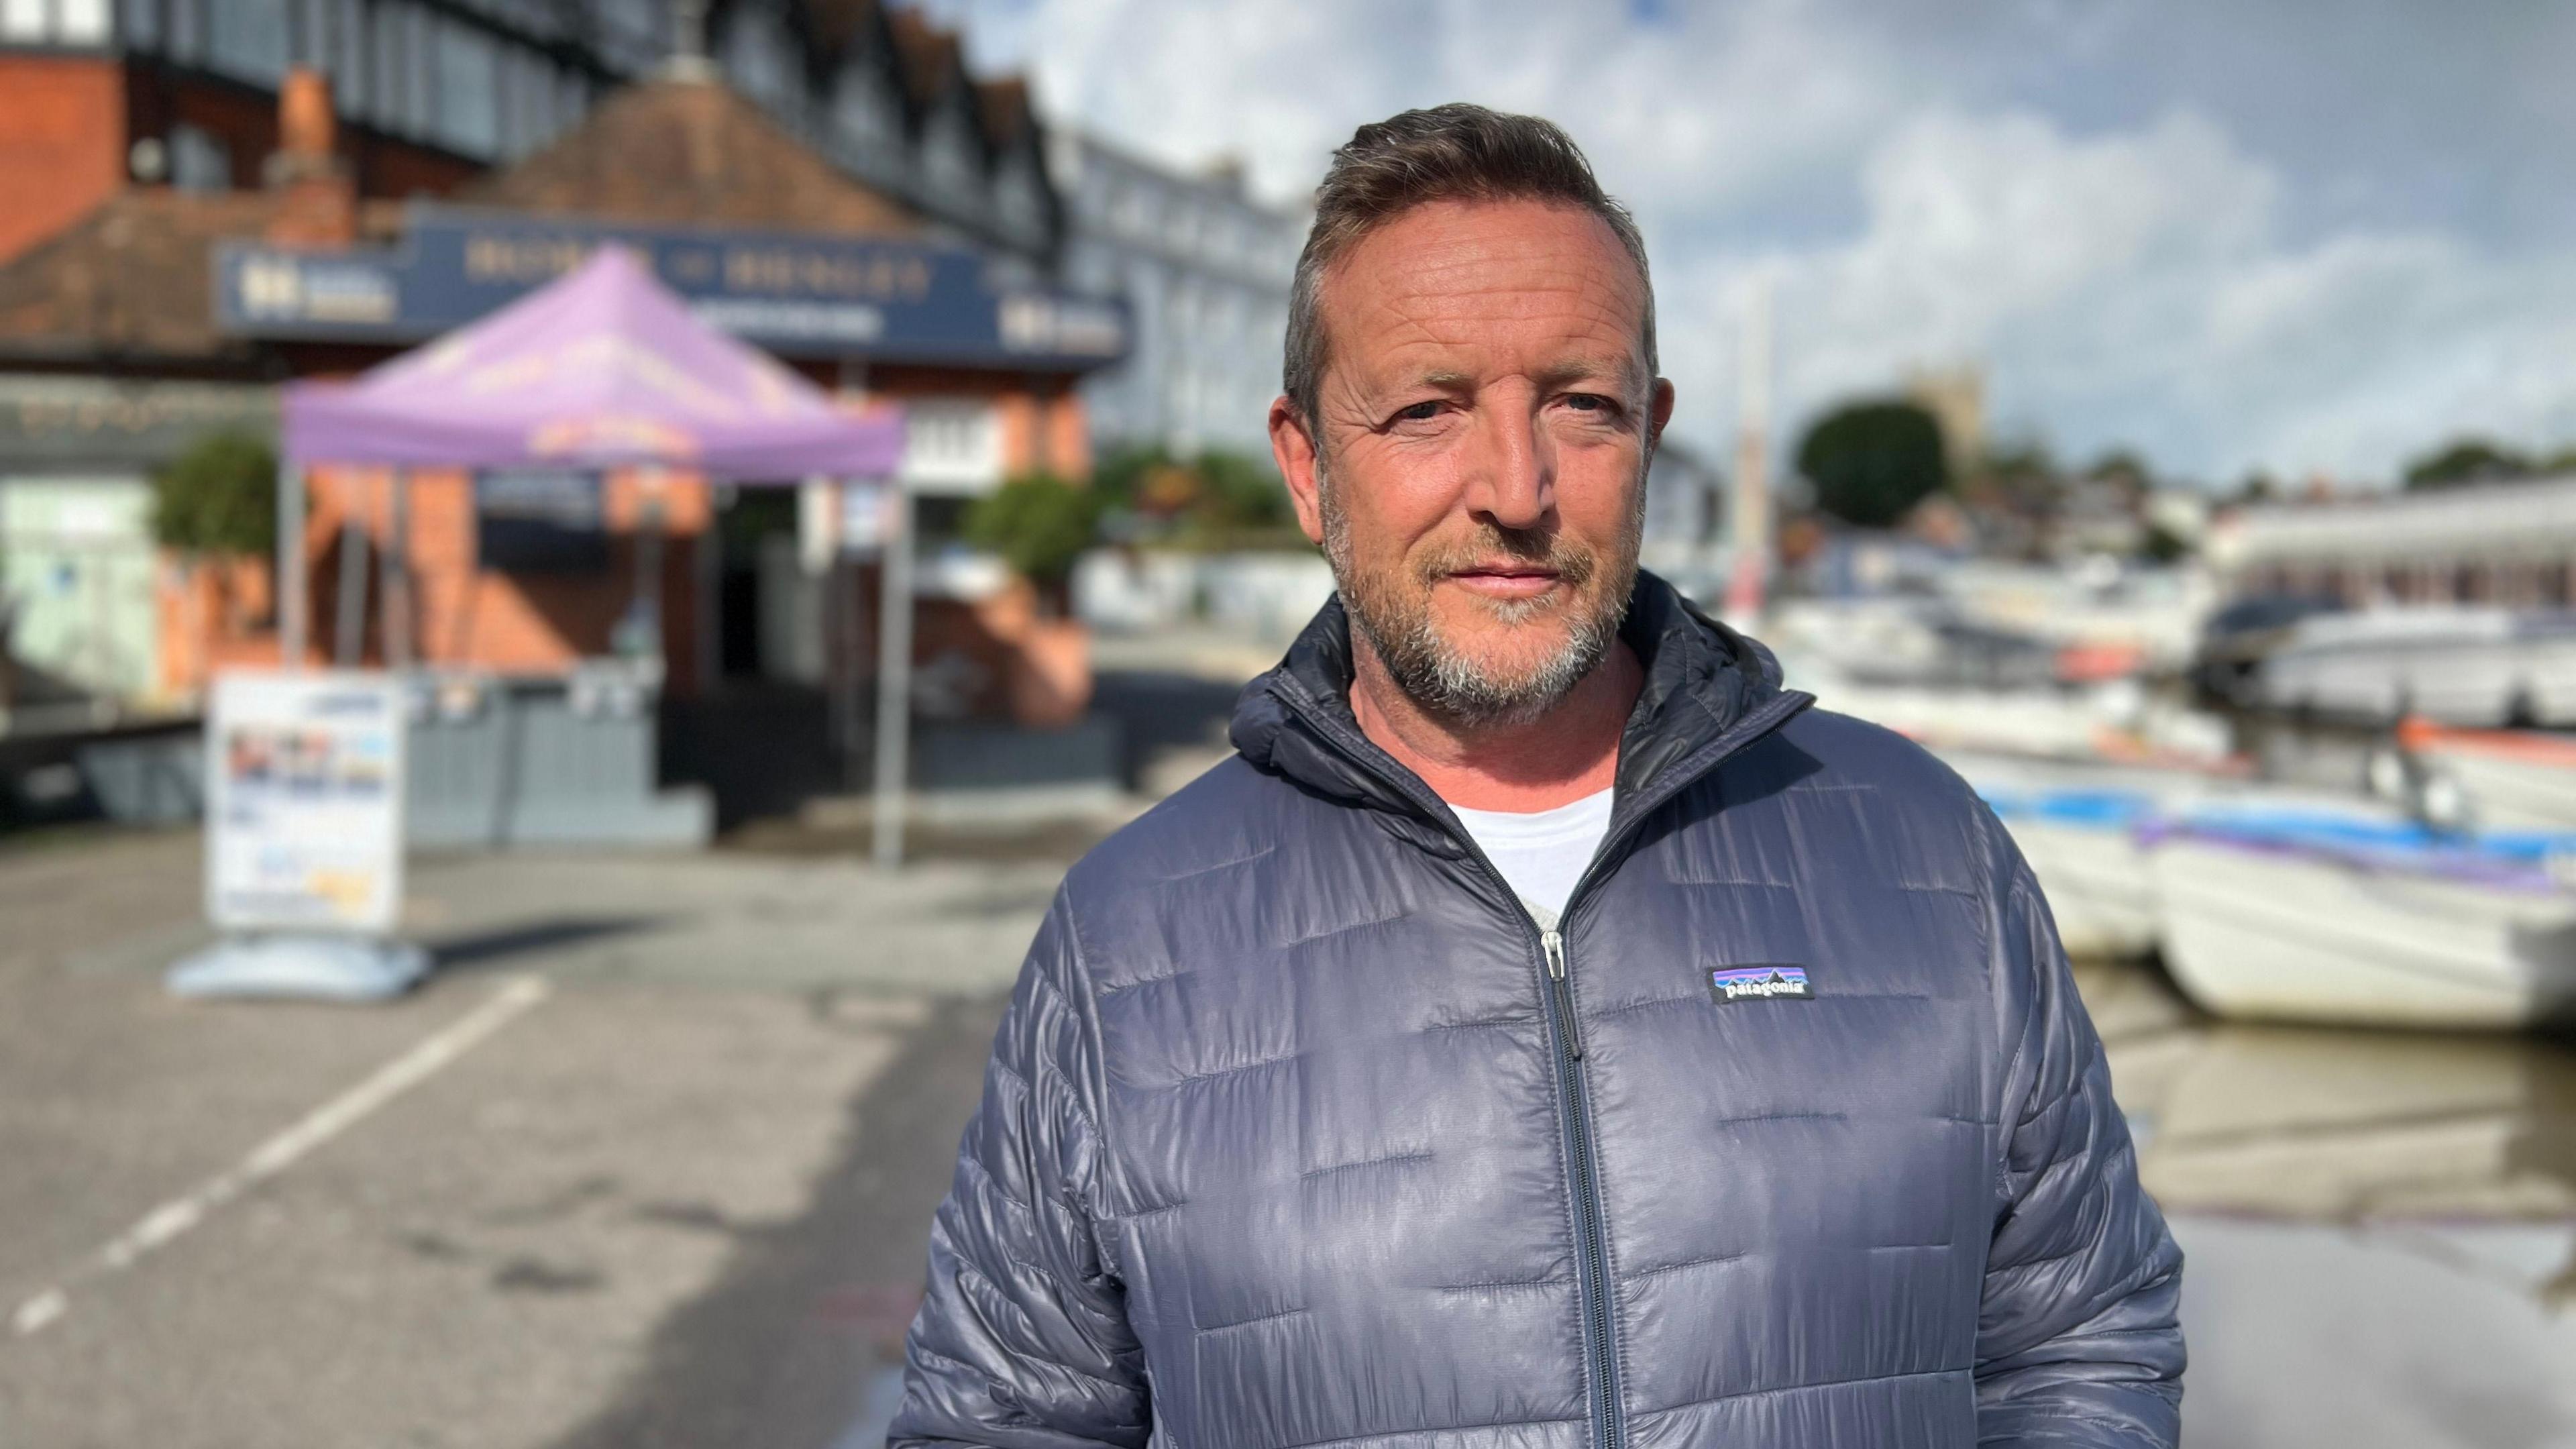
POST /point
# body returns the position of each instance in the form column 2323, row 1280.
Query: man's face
column 1477, row 476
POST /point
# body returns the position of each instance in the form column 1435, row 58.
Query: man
column 1545, row 1030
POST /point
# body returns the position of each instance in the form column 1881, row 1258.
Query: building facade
column 1205, row 270
column 432, row 93
column 2511, row 544
column 162, row 313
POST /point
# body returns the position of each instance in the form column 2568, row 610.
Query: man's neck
column 1562, row 756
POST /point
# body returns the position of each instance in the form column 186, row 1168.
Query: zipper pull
column 1554, row 945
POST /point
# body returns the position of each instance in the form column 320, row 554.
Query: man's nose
column 1513, row 481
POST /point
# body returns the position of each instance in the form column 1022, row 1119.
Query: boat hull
column 2096, row 883
column 2509, row 791
column 2264, row 932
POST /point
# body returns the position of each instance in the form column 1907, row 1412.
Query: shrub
column 218, row 498
column 1039, row 524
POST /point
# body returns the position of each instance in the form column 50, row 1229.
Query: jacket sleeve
column 2077, row 1337
column 1022, row 1339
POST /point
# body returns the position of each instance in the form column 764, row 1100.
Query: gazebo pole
column 398, row 611
column 349, row 643
column 894, row 678
column 294, row 597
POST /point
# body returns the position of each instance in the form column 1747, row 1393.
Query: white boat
column 2351, row 915
column 2078, row 826
column 2514, row 779
column 2457, row 665
column 2082, row 846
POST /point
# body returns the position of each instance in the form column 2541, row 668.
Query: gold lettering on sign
column 799, row 271
column 520, row 259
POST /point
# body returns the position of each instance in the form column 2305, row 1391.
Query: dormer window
column 247, row 39
column 758, row 60
column 1017, row 202
column 948, row 158
column 863, row 115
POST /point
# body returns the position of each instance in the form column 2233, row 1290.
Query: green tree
column 1242, row 492
column 218, row 498
column 2162, row 545
column 1871, row 462
column 2124, row 467
column 1218, row 498
column 1039, row 524
column 1118, row 477
column 2464, row 461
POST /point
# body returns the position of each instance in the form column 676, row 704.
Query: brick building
column 429, row 94
column 179, row 308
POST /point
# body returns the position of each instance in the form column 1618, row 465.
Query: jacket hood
column 1706, row 688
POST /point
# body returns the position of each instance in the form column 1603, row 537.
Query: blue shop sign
column 795, row 295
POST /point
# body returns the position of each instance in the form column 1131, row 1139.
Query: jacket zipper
column 1592, row 1273
column 1593, row 1279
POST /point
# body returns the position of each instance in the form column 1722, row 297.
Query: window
column 349, row 69
column 544, row 101
column 63, row 22
column 1017, row 201
column 469, row 90
column 1135, row 214
column 23, row 20
column 81, row 22
column 947, row 159
column 390, row 88
column 199, row 162
column 187, row 28
column 952, row 446
column 572, row 101
column 630, row 30
column 756, row 58
column 310, row 33
column 248, row 39
column 863, row 120
column 420, row 71
column 518, row 132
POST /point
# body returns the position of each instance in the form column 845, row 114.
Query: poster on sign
column 304, row 826
column 867, row 516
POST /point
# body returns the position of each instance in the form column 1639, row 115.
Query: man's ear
column 1293, row 447
column 1659, row 411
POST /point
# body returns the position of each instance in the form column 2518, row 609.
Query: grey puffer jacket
column 1300, row 1133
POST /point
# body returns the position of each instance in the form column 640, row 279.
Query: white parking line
column 160, row 1226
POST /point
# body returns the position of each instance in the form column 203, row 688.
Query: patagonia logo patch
column 1769, row 981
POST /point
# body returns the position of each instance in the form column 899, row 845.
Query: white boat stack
column 2274, row 905
column 2295, row 915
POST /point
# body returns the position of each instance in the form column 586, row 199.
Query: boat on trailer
column 2358, row 915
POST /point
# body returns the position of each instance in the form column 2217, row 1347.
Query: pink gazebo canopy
column 603, row 367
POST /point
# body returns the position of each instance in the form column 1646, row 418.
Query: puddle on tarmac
column 2381, row 1226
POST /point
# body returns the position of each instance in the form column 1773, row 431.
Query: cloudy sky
column 2297, row 234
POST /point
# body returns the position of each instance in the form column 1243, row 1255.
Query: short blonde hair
column 1456, row 152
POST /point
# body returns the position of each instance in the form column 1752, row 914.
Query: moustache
column 1570, row 561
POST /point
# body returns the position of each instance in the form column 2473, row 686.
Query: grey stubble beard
column 1445, row 683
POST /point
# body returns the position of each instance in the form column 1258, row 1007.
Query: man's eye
column 1421, row 412
column 1588, row 402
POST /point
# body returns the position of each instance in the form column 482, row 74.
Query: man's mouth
column 1506, row 580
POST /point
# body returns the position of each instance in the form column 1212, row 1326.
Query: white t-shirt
column 1541, row 853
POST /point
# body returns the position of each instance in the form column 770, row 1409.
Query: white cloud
column 2149, row 281
column 2134, row 288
